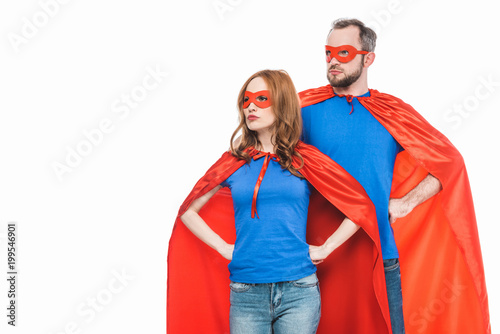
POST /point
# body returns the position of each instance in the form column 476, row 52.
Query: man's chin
column 336, row 82
column 340, row 83
column 333, row 80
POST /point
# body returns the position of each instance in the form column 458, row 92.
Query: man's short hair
column 367, row 36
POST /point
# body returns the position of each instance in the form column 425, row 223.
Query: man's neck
column 350, row 90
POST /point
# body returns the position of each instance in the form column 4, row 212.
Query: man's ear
column 369, row 59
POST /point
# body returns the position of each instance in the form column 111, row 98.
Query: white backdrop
column 111, row 111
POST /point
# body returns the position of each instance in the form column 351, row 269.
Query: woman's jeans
column 394, row 295
column 281, row 308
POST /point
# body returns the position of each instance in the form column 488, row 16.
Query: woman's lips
column 252, row 117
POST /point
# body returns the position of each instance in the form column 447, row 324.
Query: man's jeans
column 394, row 295
column 280, row 308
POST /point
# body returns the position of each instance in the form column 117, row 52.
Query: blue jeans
column 279, row 308
column 394, row 295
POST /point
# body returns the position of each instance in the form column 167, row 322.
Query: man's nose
column 334, row 61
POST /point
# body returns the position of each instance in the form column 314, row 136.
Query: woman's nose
column 252, row 107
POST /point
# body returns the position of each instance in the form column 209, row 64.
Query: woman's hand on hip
column 227, row 251
column 344, row 232
column 318, row 253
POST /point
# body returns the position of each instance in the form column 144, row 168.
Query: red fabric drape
column 444, row 288
column 352, row 279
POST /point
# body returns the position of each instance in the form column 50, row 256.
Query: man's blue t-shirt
column 273, row 247
column 363, row 147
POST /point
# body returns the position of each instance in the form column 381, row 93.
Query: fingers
column 392, row 220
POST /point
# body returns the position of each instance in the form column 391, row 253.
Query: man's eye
column 343, row 53
column 262, row 98
column 328, row 53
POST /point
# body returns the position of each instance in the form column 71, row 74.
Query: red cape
column 443, row 282
column 352, row 278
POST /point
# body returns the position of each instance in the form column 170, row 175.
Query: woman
column 273, row 285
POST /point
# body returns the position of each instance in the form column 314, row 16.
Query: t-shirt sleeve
column 225, row 184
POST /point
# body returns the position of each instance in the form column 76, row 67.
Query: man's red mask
column 261, row 99
column 343, row 53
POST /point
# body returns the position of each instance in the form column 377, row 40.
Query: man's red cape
column 352, row 281
column 443, row 281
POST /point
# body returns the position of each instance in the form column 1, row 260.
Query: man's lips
column 252, row 117
column 335, row 72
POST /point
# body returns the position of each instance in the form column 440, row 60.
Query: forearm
column 199, row 227
column 341, row 235
column 344, row 232
column 427, row 188
column 400, row 207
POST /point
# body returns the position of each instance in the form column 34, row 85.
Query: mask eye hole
column 343, row 53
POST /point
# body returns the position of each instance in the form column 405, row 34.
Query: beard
column 347, row 80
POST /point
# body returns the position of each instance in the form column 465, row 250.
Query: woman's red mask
column 261, row 99
column 343, row 53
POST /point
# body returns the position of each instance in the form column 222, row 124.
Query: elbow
column 437, row 186
column 354, row 226
column 185, row 217
column 440, row 185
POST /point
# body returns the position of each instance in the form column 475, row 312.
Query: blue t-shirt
column 363, row 147
column 273, row 247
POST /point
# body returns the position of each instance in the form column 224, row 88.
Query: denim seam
column 245, row 287
column 390, row 268
column 308, row 285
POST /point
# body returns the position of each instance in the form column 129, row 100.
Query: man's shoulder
column 316, row 90
column 315, row 95
column 375, row 94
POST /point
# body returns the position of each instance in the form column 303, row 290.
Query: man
column 364, row 131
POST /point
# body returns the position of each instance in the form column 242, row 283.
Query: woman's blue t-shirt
column 272, row 247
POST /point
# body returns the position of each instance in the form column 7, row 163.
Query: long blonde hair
column 287, row 126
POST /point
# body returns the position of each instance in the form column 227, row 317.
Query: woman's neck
column 266, row 144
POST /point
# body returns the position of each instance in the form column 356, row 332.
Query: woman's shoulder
column 312, row 155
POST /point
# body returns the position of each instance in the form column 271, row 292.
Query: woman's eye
column 245, row 99
column 262, row 98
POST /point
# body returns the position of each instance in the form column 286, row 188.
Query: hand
column 398, row 208
column 318, row 253
column 227, row 252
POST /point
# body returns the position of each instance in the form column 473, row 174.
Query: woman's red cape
column 443, row 281
column 352, row 279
